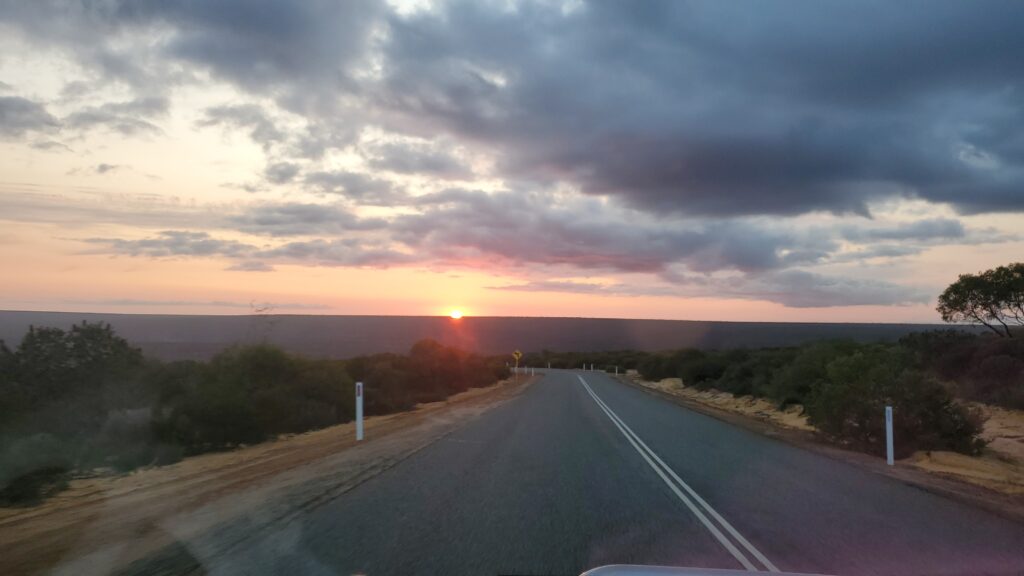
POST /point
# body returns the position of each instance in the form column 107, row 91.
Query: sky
column 791, row 161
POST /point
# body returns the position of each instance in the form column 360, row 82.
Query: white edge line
column 725, row 523
column 728, row 527
column 725, row 542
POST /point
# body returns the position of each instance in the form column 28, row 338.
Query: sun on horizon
column 455, row 314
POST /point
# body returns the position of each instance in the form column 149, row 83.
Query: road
column 581, row 470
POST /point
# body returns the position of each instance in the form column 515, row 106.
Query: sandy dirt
column 1000, row 467
column 791, row 417
column 102, row 524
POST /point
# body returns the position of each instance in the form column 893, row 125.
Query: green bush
column 32, row 468
column 849, row 404
column 247, row 394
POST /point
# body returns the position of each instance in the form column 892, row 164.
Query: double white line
column 700, row 508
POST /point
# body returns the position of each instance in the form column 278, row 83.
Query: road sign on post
column 888, row 436
column 517, row 355
column 359, row 410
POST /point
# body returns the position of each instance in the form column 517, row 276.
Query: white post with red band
column 359, row 410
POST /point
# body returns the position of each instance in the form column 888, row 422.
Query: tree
column 994, row 299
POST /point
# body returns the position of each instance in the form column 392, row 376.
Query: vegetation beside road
column 77, row 400
column 843, row 386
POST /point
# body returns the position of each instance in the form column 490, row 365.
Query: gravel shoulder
column 103, row 524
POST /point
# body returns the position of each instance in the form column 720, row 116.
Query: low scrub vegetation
column 84, row 398
column 844, row 386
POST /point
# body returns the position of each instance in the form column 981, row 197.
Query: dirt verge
column 993, row 481
column 102, row 524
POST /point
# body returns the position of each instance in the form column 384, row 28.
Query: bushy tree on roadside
column 849, row 404
column 248, row 393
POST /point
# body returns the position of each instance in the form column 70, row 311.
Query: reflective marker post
column 359, row 410
column 888, row 435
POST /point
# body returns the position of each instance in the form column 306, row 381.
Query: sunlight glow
column 455, row 314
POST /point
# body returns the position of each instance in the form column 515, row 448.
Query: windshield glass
column 511, row 287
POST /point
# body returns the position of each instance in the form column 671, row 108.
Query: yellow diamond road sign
column 517, row 354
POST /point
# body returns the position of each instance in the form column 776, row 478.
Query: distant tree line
column 85, row 398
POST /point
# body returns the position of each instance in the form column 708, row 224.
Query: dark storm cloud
column 20, row 115
column 728, row 108
column 706, row 108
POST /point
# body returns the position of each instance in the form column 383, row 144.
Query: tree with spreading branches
column 993, row 298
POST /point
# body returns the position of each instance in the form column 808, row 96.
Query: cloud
column 250, row 266
column 532, row 228
column 697, row 109
column 926, row 229
column 342, row 252
column 281, row 172
column 250, row 117
column 355, row 186
column 131, row 302
column 104, row 168
column 128, row 118
column 294, row 219
column 792, row 288
column 690, row 108
column 801, row 289
column 50, row 145
column 417, row 159
column 19, row 116
column 678, row 140
column 171, row 243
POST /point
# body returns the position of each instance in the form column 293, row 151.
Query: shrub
column 849, row 405
column 32, row 468
column 247, row 394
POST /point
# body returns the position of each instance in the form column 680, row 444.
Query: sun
column 455, row 314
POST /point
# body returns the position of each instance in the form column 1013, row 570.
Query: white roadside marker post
column 616, row 370
column 359, row 410
column 888, row 436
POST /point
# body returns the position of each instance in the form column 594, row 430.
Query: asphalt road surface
column 581, row 471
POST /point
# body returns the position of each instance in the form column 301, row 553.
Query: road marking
column 650, row 457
